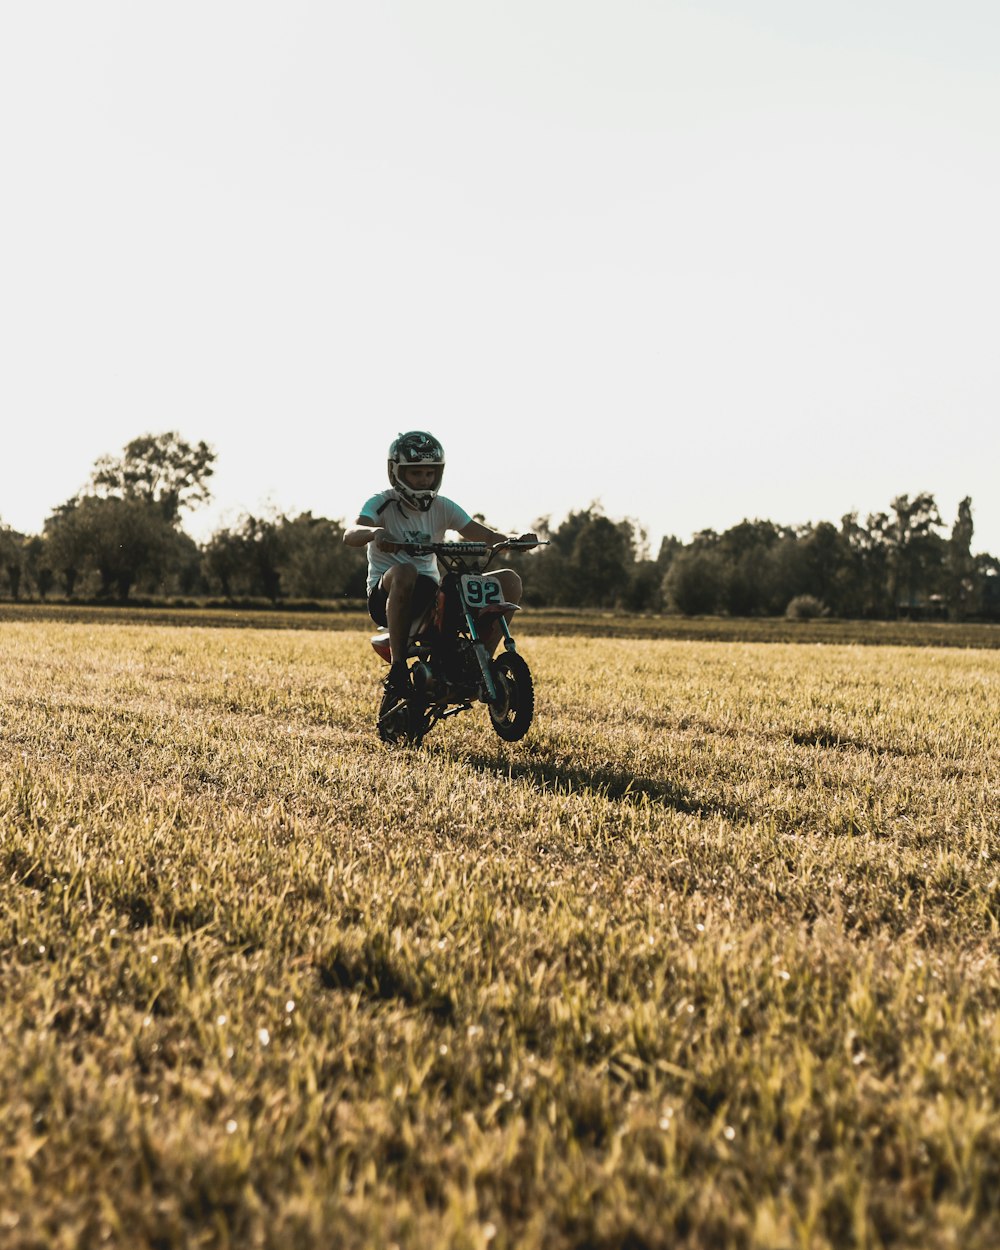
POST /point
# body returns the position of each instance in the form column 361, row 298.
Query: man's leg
column 398, row 583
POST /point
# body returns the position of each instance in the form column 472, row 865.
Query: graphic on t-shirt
column 416, row 536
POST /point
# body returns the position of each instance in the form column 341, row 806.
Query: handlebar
column 468, row 548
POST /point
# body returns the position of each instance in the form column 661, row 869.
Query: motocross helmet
column 416, row 448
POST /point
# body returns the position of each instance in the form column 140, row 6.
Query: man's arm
column 365, row 530
column 476, row 532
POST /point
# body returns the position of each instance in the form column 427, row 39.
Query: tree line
column 121, row 536
column 901, row 563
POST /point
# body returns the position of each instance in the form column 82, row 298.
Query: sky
column 694, row 262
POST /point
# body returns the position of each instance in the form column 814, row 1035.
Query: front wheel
column 515, row 703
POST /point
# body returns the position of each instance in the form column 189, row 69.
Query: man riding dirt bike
column 400, row 527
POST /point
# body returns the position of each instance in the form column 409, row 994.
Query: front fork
column 483, row 656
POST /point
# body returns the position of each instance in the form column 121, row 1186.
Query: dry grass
column 710, row 960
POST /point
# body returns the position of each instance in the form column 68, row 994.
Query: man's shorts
column 424, row 594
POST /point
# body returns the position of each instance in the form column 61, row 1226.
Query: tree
column 867, row 557
column 602, row 560
column 247, row 560
column 670, row 547
column 914, row 548
column 39, row 564
column 961, row 564
column 224, row 559
column 695, row 583
column 262, row 536
column 590, row 562
column 158, row 469
column 67, row 542
column 644, row 592
column 823, row 555
column 126, row 527
column 120, row 539
column 302, row 557
column 988, row 585
column 182, row 568
column 315, row 564
column 126, row 538
column 747, row 551
column 12, row 558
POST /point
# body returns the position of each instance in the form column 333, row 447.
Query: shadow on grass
column 830, row 740
column 617, row 786
column 380, row 975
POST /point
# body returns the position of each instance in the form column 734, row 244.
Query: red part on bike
column 380, row 642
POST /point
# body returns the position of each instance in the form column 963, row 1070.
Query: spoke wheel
column 403, row 721
column 514, row 708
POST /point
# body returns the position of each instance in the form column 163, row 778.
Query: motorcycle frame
column 455, row 558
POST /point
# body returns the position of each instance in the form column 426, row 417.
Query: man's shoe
column 397, row 686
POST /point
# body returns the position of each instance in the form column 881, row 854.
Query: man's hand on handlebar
column 526, row 540
column 384, row 543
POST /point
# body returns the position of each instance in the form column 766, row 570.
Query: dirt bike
column 449, row 664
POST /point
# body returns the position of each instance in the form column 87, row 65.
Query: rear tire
column 402, row 722
column 515, row 705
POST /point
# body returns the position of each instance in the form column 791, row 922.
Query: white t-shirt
column 410, row 525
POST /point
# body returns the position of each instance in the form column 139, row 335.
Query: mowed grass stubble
column 710, row 959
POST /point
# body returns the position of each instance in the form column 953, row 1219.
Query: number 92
column 479, row 592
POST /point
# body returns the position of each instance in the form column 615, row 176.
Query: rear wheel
column 514, row 708
column 402, row 721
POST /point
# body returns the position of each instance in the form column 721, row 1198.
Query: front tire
column 514, row 708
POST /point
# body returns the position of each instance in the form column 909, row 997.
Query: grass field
column 711, row 959
column 351, row 614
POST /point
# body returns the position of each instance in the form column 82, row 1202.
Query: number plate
column 480, row 592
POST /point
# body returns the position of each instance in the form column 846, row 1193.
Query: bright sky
column 699, row 261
